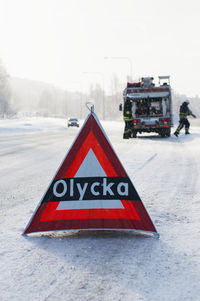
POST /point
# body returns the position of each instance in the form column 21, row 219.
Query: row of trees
column 74, row 103
column 42, row 99
column 47, row 100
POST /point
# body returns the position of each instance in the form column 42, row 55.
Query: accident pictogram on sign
column 91, row 190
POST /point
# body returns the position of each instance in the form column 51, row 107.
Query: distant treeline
column 42, row 99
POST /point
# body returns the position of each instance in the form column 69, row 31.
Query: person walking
column 183, row 113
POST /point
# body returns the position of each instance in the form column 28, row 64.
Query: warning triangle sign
column 91, row 190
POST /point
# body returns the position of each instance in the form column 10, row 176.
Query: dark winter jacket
column 184, row 111
column 128, row 111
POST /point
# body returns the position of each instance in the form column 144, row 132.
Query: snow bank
column 21, row 126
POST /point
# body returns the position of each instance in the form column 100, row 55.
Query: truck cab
column 151, row 106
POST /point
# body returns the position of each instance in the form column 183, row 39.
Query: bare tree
column 4, row 91
column 97, row 95
column 45, row 103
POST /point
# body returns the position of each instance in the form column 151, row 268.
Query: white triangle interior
column 90, row 167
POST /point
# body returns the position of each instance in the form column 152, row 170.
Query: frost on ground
column 100, row 265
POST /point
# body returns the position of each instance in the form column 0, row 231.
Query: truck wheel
column 165, row 132
column 162, row 133
column 168, row 132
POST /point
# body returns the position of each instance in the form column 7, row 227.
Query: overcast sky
column 57, row 41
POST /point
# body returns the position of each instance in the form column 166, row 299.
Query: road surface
column 102, row 265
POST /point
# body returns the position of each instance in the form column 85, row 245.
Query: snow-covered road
column 97, row 265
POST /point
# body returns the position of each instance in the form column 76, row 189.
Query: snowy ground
column 96, row 266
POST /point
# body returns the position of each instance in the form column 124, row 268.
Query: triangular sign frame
column 91, row 190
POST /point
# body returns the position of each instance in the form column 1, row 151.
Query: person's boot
column 126, row 136
column 176, row 134
column 187, row 131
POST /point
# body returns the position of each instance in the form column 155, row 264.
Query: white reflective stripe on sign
column 90, row 204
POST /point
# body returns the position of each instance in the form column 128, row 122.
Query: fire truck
column 151, row 106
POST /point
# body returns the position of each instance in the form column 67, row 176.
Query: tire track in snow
column 147, row 162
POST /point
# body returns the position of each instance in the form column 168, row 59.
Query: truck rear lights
column 167, row 119
column 136, row 121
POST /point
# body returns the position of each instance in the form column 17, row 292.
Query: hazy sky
column 57, row 40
